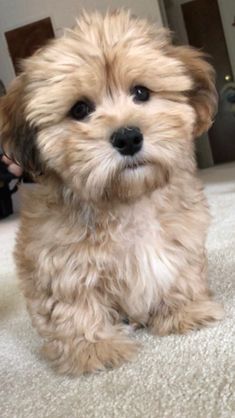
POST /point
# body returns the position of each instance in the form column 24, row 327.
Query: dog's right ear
column 17, row 136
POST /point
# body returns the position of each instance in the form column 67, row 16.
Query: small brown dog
column 116, row 226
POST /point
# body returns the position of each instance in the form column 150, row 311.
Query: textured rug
column 189, row 376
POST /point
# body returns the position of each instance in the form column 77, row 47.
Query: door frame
column 22, row 22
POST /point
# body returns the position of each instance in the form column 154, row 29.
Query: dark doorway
column 205, row 31
column 25, row 40
column 199, row 23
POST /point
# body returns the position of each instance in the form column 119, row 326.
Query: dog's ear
column 17, row 136
column 203, row 96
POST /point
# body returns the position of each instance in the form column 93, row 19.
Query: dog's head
column 112, row 107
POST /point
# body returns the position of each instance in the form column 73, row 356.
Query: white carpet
column 189, row 376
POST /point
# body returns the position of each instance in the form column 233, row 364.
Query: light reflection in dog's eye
column 140, row 93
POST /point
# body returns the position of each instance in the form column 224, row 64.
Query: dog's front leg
column 84, row 338
column 72, row 311
column 178, row 313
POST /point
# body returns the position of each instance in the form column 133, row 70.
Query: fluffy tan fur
column 100, row 241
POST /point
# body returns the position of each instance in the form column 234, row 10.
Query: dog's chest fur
column 128, row 251
column 133, row 254
column 134, row 251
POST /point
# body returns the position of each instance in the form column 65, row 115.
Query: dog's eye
column 140, row 93
column 81, row 109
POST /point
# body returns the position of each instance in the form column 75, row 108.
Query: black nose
column 128, row 141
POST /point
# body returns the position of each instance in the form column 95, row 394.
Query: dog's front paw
column 88, row 357
column 107, row 353
column 188, row 317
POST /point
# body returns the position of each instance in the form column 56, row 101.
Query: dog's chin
column 133, row 180
column 139, row 179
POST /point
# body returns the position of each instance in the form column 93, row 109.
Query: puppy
column 105, row 118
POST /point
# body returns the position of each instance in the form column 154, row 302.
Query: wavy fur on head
column 104, row 236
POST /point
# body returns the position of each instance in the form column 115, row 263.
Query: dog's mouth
column 133, row 165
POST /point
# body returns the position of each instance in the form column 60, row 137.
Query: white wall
column 15, row 13
column 175, row 18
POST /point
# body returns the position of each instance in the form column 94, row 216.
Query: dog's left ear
column 203, row 95
column 17, row 136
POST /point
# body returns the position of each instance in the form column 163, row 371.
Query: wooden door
column 205, row 31
column 25, row 40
